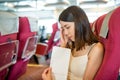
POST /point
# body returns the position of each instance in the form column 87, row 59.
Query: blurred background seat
column 27, row 46
column 8, row 42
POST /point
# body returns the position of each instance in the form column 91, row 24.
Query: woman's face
column 68, row 29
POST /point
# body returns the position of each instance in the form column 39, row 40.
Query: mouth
column 70, row 38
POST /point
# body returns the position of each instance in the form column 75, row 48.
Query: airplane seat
column 54, row 38
column 97, row 23
column 45, row 48
column 35, row 73
column 107, row 28
column 8, row 42
column 27, row 37
column 25, row 31
column 96, row 27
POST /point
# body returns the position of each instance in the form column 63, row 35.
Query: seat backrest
column 30, row 47
column 25, row 31
column 9, row 23
column 96, row 25
column 27, row 46
column 54, row 38
column 8, row 42
column 8, row 54
column 109, row 35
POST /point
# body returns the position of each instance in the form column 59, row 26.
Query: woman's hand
column 47, row 74
column 63, row 39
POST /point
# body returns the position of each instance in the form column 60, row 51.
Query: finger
column 66, row 39
column 62, row 41
column 50, row 74
column 50, row 71
column 43, row 76
column 45, row 72
column 61, row 34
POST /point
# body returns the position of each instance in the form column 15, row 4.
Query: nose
column 66, row 32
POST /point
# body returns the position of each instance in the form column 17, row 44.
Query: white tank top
column 77, row 66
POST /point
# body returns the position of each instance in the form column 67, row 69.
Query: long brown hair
column 83, row 33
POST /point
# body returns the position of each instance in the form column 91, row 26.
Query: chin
column 72, row 40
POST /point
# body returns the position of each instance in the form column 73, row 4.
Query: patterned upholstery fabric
column 24, row 33
column 8, row 39
column 110, row 67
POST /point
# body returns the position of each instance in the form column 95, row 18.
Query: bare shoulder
column 95, row 58
column 97, row 50
column 98, row 46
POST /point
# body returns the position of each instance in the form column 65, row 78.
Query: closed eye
column 67, row 27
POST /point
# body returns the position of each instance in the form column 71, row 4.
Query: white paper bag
column 60, row 62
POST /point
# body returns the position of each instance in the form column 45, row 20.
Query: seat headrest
column 33, row 24
column 9, row 23
column 105, row 25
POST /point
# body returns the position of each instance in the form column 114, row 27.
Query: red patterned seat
column 27, row 46
column 8, row 42
column 54, row 39
column 107, row 28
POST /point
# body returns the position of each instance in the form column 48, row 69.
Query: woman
column 87, row 51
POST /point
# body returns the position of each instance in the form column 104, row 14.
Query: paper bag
column 60, row 62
